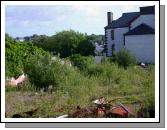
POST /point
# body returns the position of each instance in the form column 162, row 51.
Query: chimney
column 147, row 10
column 109, row 17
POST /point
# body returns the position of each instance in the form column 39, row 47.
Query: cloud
column 129, row 8
column 88, row 10
column 22, row 20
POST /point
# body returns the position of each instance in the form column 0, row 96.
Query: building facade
column 134, row 31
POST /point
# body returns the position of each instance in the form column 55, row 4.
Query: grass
column 133, row 86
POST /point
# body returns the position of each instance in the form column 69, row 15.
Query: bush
column 81, row 62
column 125, row 58
column 42, row 71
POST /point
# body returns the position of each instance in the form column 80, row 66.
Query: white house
column 134, row 31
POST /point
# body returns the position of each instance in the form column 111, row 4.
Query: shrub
column 42, row 71
column 81, row 62
column 125, row 58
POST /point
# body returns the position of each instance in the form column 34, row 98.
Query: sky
column 26, row 20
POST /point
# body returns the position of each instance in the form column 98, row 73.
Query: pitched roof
column 124, row 20
column 140, row 30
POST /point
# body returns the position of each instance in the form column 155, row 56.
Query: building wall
column 147, row 19
column 118, row 39
column 142, row 46
column 109, row 41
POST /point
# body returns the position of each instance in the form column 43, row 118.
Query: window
column 112, row 34
column 113, row 47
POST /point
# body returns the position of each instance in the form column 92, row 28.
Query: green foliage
column 85, row 48
column 96, row 38
column 40, row 70
column 81, row 62
column 125, row 58
column 133, row 85
column 95, row 70
column 66, row 42
column 16, row 54
column 76, row 86
column 44, row 71
column 41, row 41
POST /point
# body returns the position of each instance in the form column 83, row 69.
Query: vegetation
column 76, row 84
column 16, row 54
column 125, row 58
column 66, row 43
column 47, row 70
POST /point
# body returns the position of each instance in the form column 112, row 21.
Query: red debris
column 119, row 111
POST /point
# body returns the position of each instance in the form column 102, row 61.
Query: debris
column 83, row 113
column 100, row 101
column 26, row 114
column 15, row 82
column 143, row 65
column 119, row 112
column 100, row 112
column 126, row 109
column 103, row 110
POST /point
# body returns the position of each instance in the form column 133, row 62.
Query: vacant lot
column 133, row 86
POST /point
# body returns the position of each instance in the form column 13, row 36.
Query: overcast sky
column 26, row 20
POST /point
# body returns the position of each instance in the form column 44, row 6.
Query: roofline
column 115, row 27
column 139, row 34
column 134, row 19
column 128, row 22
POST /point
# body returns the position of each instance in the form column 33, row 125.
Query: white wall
column 148, row 19
column 118, row 39
column 142, row 46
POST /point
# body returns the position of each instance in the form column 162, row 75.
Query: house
column 134, row 31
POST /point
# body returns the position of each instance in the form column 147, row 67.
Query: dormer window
column 112, row 34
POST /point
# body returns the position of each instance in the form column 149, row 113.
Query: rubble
column 15, row 82
column 103, row 110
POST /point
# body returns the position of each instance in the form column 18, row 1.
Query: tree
column 86, row 48
column 66, row 42
column 40, row 41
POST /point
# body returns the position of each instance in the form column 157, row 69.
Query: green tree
column 40, row 41
column 66, row 42
column 86, row 48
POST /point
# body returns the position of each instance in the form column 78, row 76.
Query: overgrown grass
column 133, row 85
